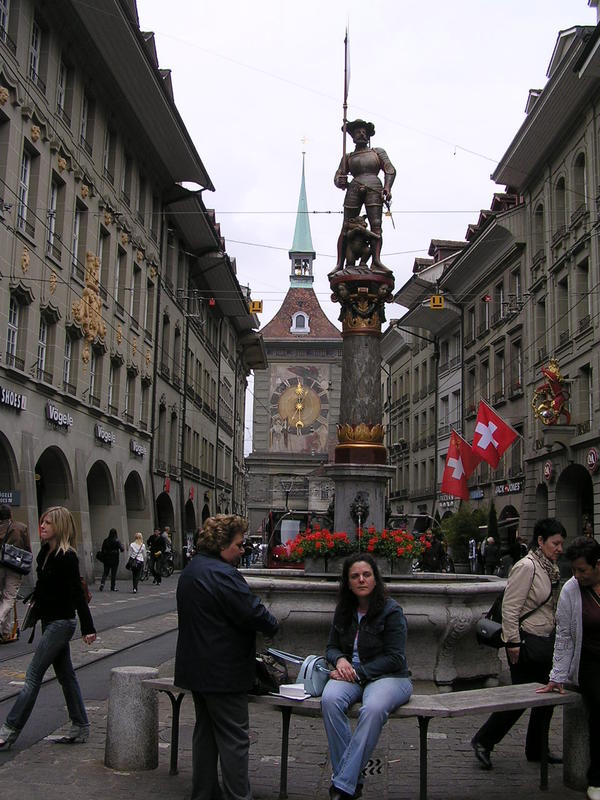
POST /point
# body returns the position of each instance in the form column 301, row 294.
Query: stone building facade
column 109, row 270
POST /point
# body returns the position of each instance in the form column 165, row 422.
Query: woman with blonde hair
column 137, row 559
column 58, row 594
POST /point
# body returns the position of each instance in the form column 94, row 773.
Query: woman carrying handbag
column 528, row 624
column 58, row 595
column 137, row 559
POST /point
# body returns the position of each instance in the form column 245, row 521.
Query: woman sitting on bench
column 367, row 645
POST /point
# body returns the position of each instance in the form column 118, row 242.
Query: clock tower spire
column 302, row 253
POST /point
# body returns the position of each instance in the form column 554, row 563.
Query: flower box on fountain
column 321, row 550
column 394, row 550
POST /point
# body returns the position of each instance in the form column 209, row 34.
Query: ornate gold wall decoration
column 119, row 333
column 152, row 271
column 88, row 311
column 108, row 218
column 134, row 346
column 53, row 282
column 147, row 357
column 35, row 133
column 3, row 95
column 85, row 190
column 62, row 163
column 25, row 259
column 124, row 239
column 139, row 256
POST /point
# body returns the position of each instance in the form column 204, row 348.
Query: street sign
column 256, row 306
column 436, row 301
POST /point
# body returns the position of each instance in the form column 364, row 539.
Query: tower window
column 300, row 323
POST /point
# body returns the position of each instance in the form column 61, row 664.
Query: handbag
column 100, row 556
column 271, row 673
column 537, row 649
column 30, row 618
column 130, row 563
column 15, row 558
column 314, row 674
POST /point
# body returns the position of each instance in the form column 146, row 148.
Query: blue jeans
column 350, row 751
column 53, row 649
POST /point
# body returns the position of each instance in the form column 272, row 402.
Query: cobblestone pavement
column 58, row 772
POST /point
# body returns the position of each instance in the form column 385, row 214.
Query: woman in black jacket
column 111, row 547
column 367, row 645
column 58, row 594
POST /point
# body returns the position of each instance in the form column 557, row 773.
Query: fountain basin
column 441, row 612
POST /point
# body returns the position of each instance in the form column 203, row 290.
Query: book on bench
column 293, row 691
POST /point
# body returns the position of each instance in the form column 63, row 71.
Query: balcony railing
column 94, row 400
column 36, row 78
column 14, row 361
column 54, row 249
column 112, row 409
column 4, row 37
column 583, row 427
column 128, row 417
column 143, row 425
column 563, row 337
column 44, row 375
column 60, row 112
column 161, row 465
column 70, row 388
column 108, row 175
column 585, row 322
column 164, row 370
column 483, row 328
column 499, row 396
column 87, row 146
column 23, row 224
column 559, row 235
column 77, row 270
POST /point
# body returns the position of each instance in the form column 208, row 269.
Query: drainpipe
column 235, row 403
column 215, row 481
column 436, row 358
column 156, row 347
column 183, row 413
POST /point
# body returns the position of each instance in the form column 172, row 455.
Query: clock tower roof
column 302, row 253
column 300, row 301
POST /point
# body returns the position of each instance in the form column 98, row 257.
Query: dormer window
column 300, row 323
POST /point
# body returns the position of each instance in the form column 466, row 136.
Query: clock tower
column 297, row 398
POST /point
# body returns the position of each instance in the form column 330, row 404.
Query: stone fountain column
column 360, row 472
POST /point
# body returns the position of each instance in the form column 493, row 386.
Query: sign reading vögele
column 104, row 435
column 58, row 418
column 136, row 448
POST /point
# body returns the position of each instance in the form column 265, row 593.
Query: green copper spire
column 302, row 239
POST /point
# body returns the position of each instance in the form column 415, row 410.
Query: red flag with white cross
column 492, row 435
column 460, row 463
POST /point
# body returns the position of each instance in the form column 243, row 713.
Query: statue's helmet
column 360, row 123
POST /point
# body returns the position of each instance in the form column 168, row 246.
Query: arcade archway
column 165, row 514
column 54, row 482
column 8, row 465
column 135, row 506
column 541, row 501
column 574, row 498
column 101, row 498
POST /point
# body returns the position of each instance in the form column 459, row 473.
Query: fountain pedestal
column 351, row 479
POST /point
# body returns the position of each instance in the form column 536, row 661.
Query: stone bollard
column 132, row 725
column 576, row 746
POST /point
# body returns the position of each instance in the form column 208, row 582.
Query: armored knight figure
column 364, row 164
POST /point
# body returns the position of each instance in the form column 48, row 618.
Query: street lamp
column 286, row 485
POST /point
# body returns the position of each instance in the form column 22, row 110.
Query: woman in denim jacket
column 367, row 645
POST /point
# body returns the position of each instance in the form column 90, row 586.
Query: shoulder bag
column 488, row 629
column 15, row 558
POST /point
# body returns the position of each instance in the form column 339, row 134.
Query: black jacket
column 381, row 643
column 218, row 620
column 110, row 550
column 58, row 593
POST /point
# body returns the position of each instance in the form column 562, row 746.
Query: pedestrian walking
column 492, row 556
column 58, row 594
column 367, row 646
column 111, row 548
column 155, row 549
column 473, row 555
column 577, row 650
column 216, row 655
column 137, row 559
column 528, row 621
column 15, row 533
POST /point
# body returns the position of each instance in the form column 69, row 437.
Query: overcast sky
column 445, row 84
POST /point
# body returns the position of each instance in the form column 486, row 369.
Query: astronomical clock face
column 299, row 412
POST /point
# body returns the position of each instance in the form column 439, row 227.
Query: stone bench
column 424, row 707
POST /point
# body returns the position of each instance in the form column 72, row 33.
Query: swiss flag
column 492, row 436
column 460, row 463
